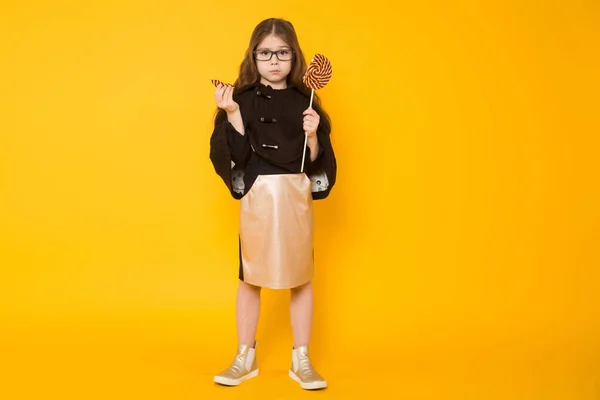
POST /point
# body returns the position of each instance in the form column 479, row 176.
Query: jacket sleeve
column 239, row 146
column 222, row 153
column 325, row 162
column 313, row 166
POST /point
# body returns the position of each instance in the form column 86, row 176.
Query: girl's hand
column 311, row 122
column 224, row 98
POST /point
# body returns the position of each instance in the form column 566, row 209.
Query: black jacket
column 273, row 141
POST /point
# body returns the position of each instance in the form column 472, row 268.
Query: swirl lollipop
column 318, row 72
column 316, row 77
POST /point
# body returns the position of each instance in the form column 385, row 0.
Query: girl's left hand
column 311, row 122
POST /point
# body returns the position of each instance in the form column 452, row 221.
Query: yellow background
column 457, row 258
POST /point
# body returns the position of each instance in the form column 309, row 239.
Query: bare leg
column 301, row 313
column 244, row 365
column 247, row 312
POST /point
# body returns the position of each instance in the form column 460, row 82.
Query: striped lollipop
column 318, row 72
column 317, row 75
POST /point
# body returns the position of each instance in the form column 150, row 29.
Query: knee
column 246, row 287
column 302, row 288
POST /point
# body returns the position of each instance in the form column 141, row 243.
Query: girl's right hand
column 224, row 98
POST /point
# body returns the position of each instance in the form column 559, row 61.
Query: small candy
column 216, row 82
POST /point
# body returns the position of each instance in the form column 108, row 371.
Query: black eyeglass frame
column 276, row 55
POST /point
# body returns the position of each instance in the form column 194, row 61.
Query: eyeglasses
column 266, row 55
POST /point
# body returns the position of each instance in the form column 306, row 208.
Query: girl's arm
column 230, row 117
column 313, row 145
column 311, row 125
column 224, row 100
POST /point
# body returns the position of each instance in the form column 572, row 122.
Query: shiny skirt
column 276, row 232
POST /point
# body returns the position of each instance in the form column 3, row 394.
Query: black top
column 274, row 138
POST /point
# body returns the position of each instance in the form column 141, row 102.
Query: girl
column 258, row 149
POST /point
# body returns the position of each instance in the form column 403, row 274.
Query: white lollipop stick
column 306, row 134
column 304, row 152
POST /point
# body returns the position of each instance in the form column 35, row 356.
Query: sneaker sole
column 308, row 386
column 234, row 382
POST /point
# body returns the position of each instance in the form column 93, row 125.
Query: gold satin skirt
column 276, row 232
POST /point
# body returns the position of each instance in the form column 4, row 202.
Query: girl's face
column 275, row 70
